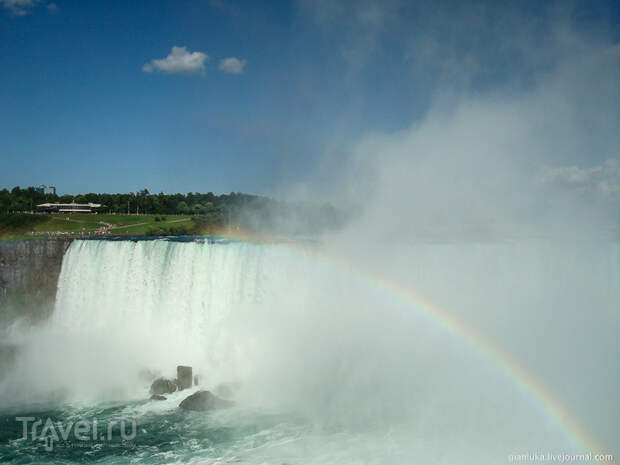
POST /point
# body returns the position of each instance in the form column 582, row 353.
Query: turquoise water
column 164, row 434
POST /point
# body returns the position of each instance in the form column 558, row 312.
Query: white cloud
column 19, row 7
column 178, row 61
column 604, row 178
column 232, row 65
column 25, row 7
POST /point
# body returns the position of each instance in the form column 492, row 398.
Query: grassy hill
column 26, row 225
column 19, row 224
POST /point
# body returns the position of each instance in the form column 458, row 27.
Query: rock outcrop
column 29, row 271
column 184, row 377
column 163, row 386
column 203, row 401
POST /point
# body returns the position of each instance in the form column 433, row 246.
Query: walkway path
column 141, row 224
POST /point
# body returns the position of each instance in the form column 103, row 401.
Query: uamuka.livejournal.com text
column 539, row 457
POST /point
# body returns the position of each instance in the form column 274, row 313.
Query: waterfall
column 170, row 303
column 190, row 286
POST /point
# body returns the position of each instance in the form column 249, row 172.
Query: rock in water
column 184, row 377
column 204, row 400
column 163, row 386
column 158, row 397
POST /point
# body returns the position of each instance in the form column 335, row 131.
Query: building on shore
column 69, row 207
column 43, row 189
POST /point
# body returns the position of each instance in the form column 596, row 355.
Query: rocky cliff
column 29, row 273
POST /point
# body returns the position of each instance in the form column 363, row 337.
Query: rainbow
column 541, row 397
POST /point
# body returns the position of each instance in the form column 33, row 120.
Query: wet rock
column 204, row 400
column 163, row 386
column 184, row 377
column 158, row 397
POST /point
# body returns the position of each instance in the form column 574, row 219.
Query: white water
column 373, row 379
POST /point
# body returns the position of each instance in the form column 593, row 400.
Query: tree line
column 235, row 209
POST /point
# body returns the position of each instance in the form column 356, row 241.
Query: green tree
column 182, row 208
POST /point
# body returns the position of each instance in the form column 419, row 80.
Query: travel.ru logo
column 79, row 433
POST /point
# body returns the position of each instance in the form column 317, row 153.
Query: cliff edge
column 29, row 271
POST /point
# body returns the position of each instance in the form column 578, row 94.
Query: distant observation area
column 43, row 189
column 69, row 207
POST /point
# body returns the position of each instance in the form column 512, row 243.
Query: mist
column 500, row 204
column 502, row 208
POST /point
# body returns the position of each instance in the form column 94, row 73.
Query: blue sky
column 92, row 100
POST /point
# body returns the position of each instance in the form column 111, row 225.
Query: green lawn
column 146, row 226
column 84, row 223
